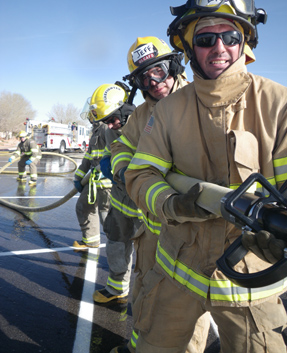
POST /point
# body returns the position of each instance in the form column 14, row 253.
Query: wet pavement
column 46, row 286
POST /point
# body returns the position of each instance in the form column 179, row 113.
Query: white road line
column 42, row 251
column 86, row 311
column 34, row 197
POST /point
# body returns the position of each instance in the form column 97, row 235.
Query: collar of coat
column 227, row 89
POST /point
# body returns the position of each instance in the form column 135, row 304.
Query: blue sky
column 60, row 51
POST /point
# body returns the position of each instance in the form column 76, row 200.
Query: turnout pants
column 167, row 317
column 145, row 246
column 32, row 168
column 119, row 229
column 91, row 215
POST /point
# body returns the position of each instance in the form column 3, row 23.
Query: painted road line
column 34, row 197
column 42, row 251
column 86, row 311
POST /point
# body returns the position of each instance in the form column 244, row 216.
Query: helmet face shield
column 157, row 72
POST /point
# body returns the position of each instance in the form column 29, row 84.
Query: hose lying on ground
column 42, row 173
column 48, row 207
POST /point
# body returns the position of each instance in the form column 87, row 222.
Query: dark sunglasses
column 208, row 39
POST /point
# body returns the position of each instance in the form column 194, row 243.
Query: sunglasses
column 207, row 40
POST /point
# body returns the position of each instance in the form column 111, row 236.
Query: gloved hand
column 264, row 245
column 106, row 168
column 28, row 162
column 78, row 185
column 184, row 205
column 10, row 160
column 122, row 174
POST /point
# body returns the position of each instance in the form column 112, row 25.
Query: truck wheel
column 83, row 147
column 62, row 147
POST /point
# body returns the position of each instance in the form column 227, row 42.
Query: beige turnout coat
column 219, row 131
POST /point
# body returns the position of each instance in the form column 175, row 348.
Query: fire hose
column 247, row 211
column 53, row 205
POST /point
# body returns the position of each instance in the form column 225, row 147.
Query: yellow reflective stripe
column 94, row 154
column 256, row 187
column 225, row 290
column 122, row 286
column 152, row 194
column 128, row 211
column 152, row 226
column 134, row 339
column 103, row 184
column 220, row 290
column 181, row 273
column 144, row 160
column 120, row 157
column 280, row 167
column 80, row 173
column 122, row 139
column 96, row 238
column 35, row 150
column 27, row 153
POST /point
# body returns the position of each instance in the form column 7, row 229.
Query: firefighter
column 225, row 125
column 157, row 72
column 94, row 200
column 30, row 154
column 109, row 104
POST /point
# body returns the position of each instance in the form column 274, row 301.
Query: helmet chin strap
column 190, row 54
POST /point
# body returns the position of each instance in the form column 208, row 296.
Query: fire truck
column 52, row 136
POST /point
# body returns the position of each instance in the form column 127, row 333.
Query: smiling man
column 222, row 127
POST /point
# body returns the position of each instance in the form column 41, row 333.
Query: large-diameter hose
column 48, row 207
column 210, row 197
column 40, row 173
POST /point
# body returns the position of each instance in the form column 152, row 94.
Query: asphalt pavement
column 46, row 285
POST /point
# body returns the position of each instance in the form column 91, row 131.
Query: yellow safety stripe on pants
column 22, row 174
column 143, row 160
column 152, row 194
column 121, row 286
column 122, row 139
column 95, row 239
column 120, row 157
column 152, row 226
column 220, row 290
column 28, row 153
column 33, row 176
column 280, row 167
column 134, row 339
column 128, row 211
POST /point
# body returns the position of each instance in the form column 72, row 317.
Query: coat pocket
column 246, row 153
column 146, row 301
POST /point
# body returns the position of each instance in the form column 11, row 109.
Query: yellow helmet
column 22, row 133
column 106, row 100
column 239, row 11
column 147, row 52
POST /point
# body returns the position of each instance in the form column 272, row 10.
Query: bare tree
column 66, row 114
column 14, row 109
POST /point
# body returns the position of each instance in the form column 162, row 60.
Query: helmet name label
column 143, row 53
